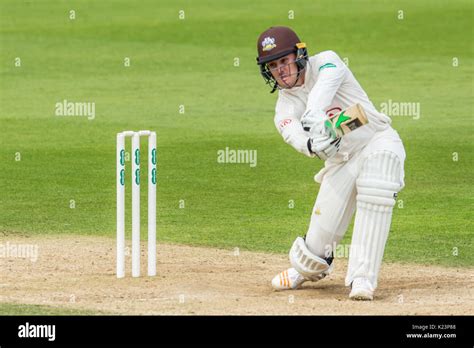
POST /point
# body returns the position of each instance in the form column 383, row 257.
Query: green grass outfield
column 24, row 309
column 190, row 62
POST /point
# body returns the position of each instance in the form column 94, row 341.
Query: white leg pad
column 305, row 262
column 377, row 186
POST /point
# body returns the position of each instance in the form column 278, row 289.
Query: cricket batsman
column 363, row 169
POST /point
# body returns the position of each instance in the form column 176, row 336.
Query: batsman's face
column 284, row 70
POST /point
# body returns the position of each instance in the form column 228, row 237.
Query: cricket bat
column 346, row 121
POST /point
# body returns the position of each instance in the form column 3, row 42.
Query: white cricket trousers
column 368, row 182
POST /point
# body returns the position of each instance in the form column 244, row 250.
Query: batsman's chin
column 285, row 83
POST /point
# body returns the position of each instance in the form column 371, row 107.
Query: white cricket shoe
column 291, row 279
column 288, row 280
column 362, row 290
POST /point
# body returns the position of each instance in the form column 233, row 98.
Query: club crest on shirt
column 268, row 44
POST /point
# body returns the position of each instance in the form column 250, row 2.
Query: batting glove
column 313, row 122
column 324, row 146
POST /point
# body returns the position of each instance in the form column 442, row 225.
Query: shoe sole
column 362, row 296
column 285, row 289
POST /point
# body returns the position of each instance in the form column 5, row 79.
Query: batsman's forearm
column 299, row 141
column 293, row 134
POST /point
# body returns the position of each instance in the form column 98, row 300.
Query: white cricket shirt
column 329, row 86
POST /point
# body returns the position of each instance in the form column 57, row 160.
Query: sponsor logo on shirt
column 327, row 65
column 330, row 113
column 284, row 123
